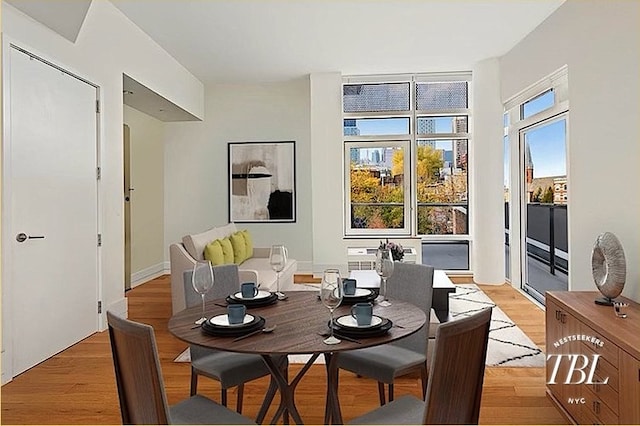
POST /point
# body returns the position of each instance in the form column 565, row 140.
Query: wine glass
column 331, row 296
column 384, row 268
column 278, row 260
column 202, row 281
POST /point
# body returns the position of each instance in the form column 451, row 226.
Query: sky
column 548, row 149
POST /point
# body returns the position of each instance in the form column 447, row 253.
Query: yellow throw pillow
column 227, row 250
column 239, row 247
column 213, row 253
column 248, row 241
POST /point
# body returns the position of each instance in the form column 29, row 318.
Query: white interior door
column 53, row 218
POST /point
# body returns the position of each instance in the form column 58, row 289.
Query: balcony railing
column 546, row 228
column 433, row 218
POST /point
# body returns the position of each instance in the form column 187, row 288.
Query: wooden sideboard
column 605, row 346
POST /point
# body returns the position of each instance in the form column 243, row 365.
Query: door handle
column 22, row 237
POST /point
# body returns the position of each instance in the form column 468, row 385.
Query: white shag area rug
column 508, row 345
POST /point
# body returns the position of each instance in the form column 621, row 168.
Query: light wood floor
column 77, row 386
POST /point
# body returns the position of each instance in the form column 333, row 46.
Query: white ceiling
column 253, row 41
column 63, row 17
column 231, row 41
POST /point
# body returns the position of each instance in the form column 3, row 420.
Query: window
column 376, row 97
column 376, row 126
column 377, row 191
column 441, row 189
column 406, row 146
column 538, row 104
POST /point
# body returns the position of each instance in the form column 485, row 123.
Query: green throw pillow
column 248, row 241
column 213, row 253
column 239, row 247
column 227, row 250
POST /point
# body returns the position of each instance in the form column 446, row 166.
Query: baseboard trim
column 147, row 274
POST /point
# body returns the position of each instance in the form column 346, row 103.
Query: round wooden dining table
column 301, row 323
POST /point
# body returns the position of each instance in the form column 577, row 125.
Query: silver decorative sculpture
column 609, row 267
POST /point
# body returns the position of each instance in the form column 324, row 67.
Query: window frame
column 410, row 181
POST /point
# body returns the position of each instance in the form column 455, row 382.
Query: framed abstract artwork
column 262, row 177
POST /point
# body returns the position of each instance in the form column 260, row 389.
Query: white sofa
column 255, row 269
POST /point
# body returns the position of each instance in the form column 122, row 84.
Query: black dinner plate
column 253, row 303
column 378, row 330
column 257, row 323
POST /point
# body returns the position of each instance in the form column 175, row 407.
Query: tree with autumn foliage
column 368, row 187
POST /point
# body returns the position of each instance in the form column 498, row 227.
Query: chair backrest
column 457, row 370
column 413, row 283
column 226, row 280
column 138, row 374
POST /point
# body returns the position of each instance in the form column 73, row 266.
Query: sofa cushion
column 213, row 253
column 227, row 250
column 239, row 247
column 195, row 243
column 248, row 241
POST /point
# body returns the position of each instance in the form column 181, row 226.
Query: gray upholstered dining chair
column 140, row 385
column 410, row 283
column 455, row 379
column 229, row 368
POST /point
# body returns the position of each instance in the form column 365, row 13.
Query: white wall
column 196, row 171
column 107, row 46
column 147, row 198
column 599, row 41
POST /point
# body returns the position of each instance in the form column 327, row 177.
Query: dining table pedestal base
column 287, row 390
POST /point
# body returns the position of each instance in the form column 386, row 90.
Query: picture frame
column 262, row 178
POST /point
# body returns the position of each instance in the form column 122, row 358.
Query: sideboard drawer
column 596, row 409
column 604, row 369
column 608, row 350
column 605, row 394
